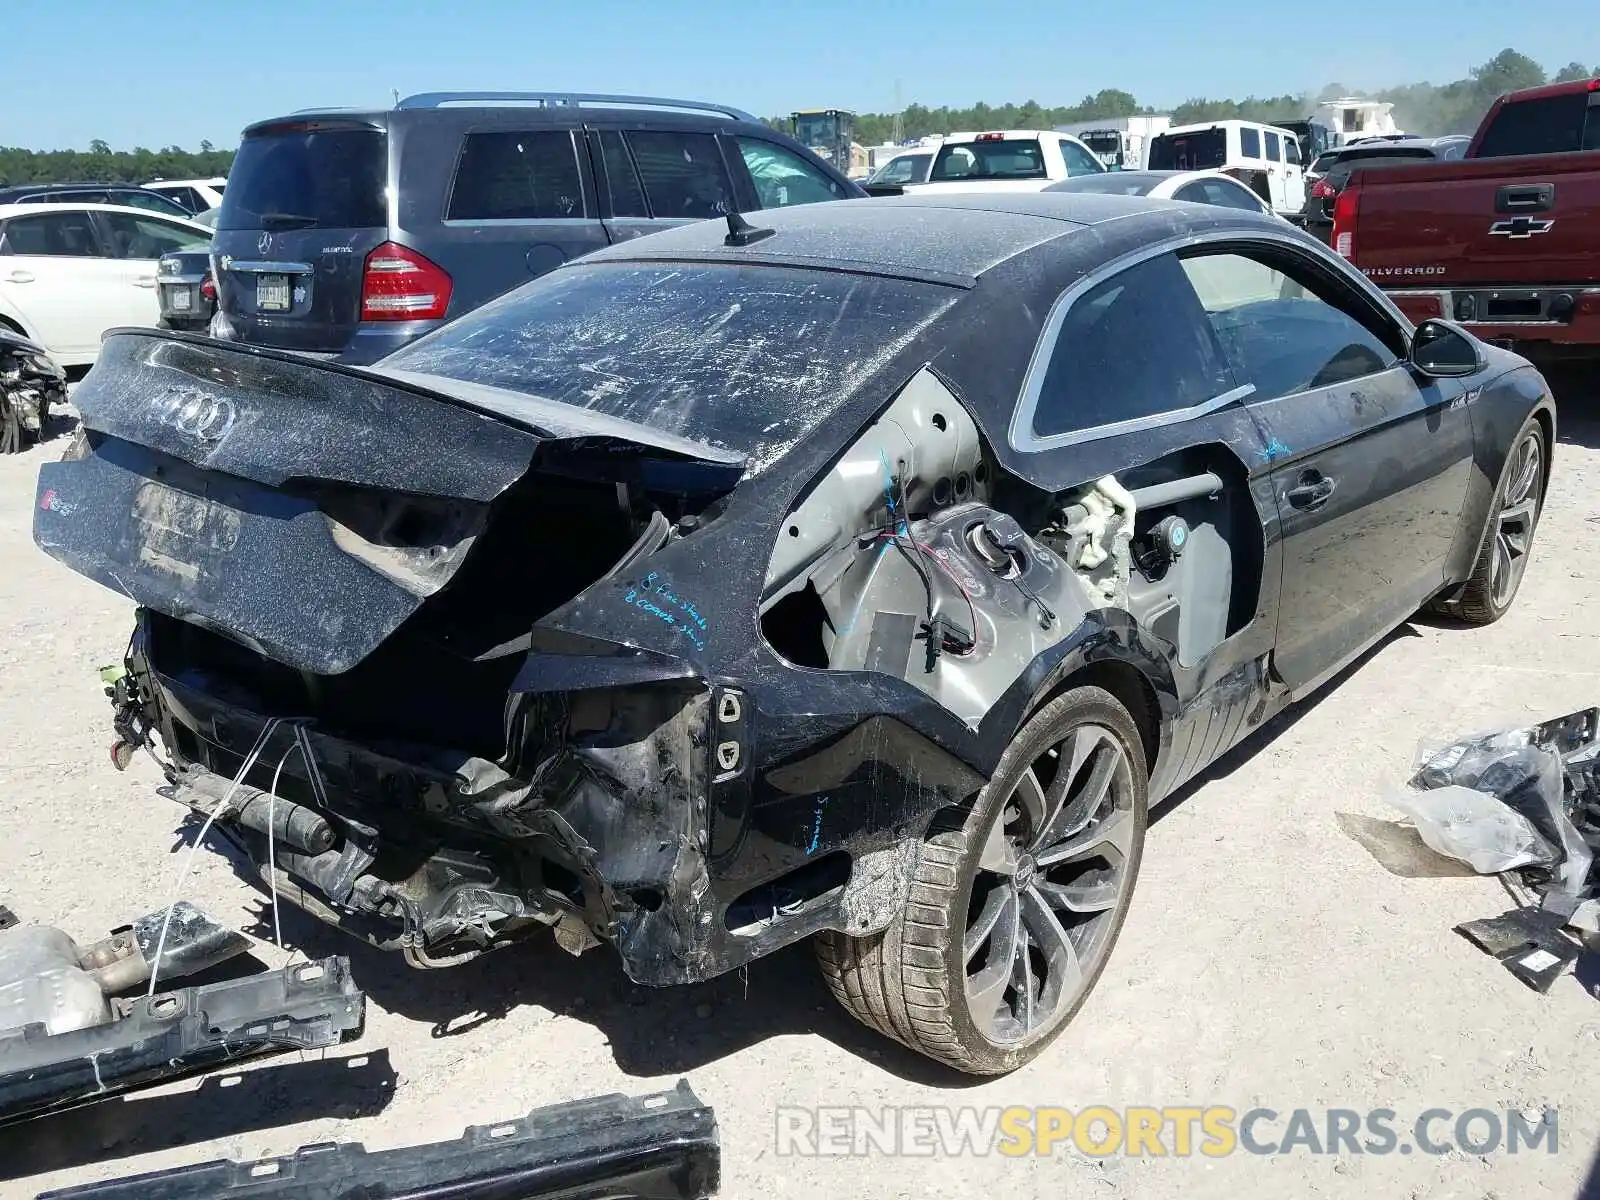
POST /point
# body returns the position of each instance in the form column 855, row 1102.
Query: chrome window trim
column 1021, row 434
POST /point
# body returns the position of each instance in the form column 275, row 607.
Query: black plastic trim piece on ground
column 659, row 1147
column 173, row 1034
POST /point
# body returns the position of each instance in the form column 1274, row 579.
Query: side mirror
column 1441, row 350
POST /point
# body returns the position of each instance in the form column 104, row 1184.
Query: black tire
column 910, row 982
column 1487, row 597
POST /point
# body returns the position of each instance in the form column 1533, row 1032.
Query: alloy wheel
column 1519, row 511
column 1054, row 874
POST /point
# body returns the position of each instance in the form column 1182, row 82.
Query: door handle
column 21, row 277
column 1312, row 492
column 1533, row 197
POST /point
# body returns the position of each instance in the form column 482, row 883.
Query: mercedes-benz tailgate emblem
column 264, row 242
column 204, row 417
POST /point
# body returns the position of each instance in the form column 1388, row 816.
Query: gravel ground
column 1269, row 959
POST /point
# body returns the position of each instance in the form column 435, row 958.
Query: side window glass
column 1135, row 345
column 147, row 237
column 1080, row 161
column 783, row 178
column 1274, row 148
column 1249, row 143
column 1278, row 334
column 153, row 202
column 622, row 181
column 1291, row 151
column 53, row 235
column 517, row 177
column 1193, row 193
column 682, row 173
column 1231, row 195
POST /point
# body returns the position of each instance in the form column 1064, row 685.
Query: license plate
column 178, row 299
column 272, row 293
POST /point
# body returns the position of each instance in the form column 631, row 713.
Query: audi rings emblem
column 203, row 417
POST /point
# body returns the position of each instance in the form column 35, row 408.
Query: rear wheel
column 1497, row 575
column 1013, row 909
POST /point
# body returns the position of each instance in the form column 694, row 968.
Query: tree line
column 1422, row 108
column 101, row 164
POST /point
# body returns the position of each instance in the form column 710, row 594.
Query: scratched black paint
column 612, row 731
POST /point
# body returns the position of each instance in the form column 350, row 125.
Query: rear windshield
column 1548, row 125
column 1016, row 158
column 304, row 177
column 1204, row 150
column 1388, row 156
column 907, row 168
column 744, row 358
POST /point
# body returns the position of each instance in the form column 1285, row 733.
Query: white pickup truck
column 1004, row 160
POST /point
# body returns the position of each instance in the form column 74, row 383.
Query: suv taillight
column 1344, row 222
column 398, row 284
column 1323, row 190
column 208, row 287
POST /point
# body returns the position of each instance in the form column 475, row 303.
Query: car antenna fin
column 742, row 233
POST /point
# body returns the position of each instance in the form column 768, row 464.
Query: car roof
column 1379, row 149
column 25, row 210
column 1150, row 178
column 947, row 238
column 501, row 113
column 972, row 135
column 1202, row 126
column 88, row 185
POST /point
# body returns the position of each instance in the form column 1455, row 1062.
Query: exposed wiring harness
column 941, row 634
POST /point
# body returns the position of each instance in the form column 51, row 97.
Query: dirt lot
column 1268, row 961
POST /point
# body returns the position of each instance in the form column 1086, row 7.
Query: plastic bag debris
column 1474, row 827
column 1526, row 769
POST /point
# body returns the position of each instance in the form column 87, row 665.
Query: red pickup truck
column 1506, row 240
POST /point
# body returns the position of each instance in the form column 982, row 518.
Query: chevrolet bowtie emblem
column 1520, row 227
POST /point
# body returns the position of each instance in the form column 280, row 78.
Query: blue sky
column 134, row 74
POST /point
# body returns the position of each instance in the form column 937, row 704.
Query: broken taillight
column 1344, row 222
column 398, row 284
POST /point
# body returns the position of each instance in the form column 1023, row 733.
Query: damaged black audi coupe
column 864, row 576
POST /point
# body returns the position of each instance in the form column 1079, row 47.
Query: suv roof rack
column 571, row 99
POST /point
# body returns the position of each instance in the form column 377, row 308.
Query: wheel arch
column 1131, row 686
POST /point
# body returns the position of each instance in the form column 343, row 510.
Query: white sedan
column 1199, row 187
column 69, row 272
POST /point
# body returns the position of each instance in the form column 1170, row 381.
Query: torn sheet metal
column 208, row 468
column 153, row 1039
column 660, row 1147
